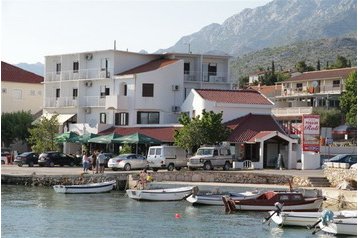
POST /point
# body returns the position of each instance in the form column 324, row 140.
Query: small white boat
column 337, row 225
column 305, row 219
column 216, row 198
column 86, row 188
column 165, row 194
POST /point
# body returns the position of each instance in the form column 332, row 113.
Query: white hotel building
column 93, row 91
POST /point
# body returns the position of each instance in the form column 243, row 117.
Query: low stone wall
column 339, row 175
column 221, row 177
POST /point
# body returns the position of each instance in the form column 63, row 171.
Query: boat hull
column 346, row 226
column 170, row 194
column 310, row 206
column 216, row 199
column 85, row 188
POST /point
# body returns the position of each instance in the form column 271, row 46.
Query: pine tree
column 318, row 65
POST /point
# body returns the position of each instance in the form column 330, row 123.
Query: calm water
column 40, row 212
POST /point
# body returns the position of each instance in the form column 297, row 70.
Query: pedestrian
column 85, row 161
column 94, row 162
column 143, row 175
column 101, row 160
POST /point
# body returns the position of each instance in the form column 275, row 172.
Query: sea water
column 40, row 212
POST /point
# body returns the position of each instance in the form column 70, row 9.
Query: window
column 58, row 92
column 299, row 87
column 104, row 64
column 102, row 118
column 104, row 91
column 125, row 90
column 212, row 69
column 76, row 66
column 121, row 119
column 147, row 117
column 336, row 83
column 148, row 90
column 186, row 68
column 58, row 68
column 17, row 93
column 74, row 93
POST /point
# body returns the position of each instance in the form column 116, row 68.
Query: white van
column 166, row 157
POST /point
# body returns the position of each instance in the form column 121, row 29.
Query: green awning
column 104, row 139
column 136, row 138
column 65, row 137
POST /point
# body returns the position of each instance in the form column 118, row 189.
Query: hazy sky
column 32, row 29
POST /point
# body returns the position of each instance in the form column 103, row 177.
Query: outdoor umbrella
column 65, row 137
column 104, row 139
column 83, row 139
column 136, row 138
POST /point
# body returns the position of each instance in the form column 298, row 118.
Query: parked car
column 127, row 162
column 52, row 158
column 5, row 157
column 107, row 155
column 342, row 158
column 166, row 157
column 29, row 158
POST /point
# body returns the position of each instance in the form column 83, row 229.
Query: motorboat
column 305, row 219
column 215, row 198
column 337, row 225
column 86, row 188
column 291, row 201
column 162, row 194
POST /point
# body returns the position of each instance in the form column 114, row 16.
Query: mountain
column 37, row 68
column 285, row 57
column 280, row 22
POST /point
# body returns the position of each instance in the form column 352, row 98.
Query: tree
column 14, row 126
column 328, row 118
column 207, row 129
column 318, row 65
column 348, row 100
column 43, row 134
column 301, row 66
column 341, row 62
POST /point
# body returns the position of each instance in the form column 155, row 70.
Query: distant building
column 255, row 77
column 21, row 90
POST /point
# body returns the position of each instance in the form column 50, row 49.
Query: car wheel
column 72, row 163
column 155, row 169
column 41, row 165
column 170, row 167
column 127, row 167
column 114, row 169
column 19, row 164
column 51, row 164
column 191, row 169
column 31, row 164
column 227, row 166
column 178, row 168
column 207, row 166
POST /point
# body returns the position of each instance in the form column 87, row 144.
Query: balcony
column 328, row 89
column 63, row 102
column 291, row 111
column 194, row 76
column 76, row 75
column 116, row 102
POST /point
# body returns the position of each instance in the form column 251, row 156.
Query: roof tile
column 332, row 73
column 150, row 66
column 11, row 73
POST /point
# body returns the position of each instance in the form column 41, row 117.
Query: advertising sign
column 310, row 133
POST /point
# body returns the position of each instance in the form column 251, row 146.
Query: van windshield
column 204, row 152
column 152, row 151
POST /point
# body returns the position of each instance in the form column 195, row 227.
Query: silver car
column 127, row 162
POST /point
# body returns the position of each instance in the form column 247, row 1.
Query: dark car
column 29, row 158
column 343, row 158
column 53, row 158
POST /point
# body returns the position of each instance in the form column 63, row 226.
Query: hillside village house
column 20, row 90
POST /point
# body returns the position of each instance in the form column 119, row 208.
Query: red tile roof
column 164, row 134
column 234, row 96
column 268, row 91
column 11, row 73
column 150, row 66
column 333, row 73
column 246, row 127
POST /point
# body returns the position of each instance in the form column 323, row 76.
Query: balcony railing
column 194, row 76
column 79, row 74
column 328, row 89
column 291, row 111
column 62, row 102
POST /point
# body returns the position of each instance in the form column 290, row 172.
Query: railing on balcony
column 79, row 74
column 94, row 101
column 61, row 102
column 327, row 89
column 194, row 76
column 291, row 111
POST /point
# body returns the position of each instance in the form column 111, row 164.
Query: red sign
column 310, row 133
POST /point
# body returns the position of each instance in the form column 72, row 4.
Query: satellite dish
column 314, row 84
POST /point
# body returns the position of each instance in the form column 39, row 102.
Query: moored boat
column 215, row 199
column 86, row 188
column 305, row 218
column 163, row 194
column 292, row 201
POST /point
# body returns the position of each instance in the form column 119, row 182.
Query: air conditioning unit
column 175, row 87
column 88, row 84
column 87, row 110
column 89, row 56
column 175, row 108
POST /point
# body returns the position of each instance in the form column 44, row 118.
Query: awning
column 62, row 118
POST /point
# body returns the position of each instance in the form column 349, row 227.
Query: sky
column 32, row 29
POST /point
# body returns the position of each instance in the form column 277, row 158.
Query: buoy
column 177, row 215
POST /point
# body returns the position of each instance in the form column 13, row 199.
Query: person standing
column 85, row 161
column 94, row 162
column 101, row 160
